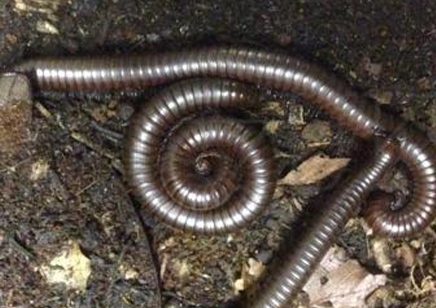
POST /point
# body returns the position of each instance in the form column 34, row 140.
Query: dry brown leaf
column 313, row 170
column 343, row 283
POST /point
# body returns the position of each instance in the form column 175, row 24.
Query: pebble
column 126, row 112
column 264, row 256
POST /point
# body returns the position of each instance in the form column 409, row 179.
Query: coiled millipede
column 203, row 194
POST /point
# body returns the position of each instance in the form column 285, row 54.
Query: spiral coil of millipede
column 212, row 174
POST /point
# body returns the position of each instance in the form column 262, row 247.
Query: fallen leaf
column 70, row 268
column 342, row 283
column 313, row 170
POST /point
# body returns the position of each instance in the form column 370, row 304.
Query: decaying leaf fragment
column 313, row 170
column 251, row 271
column 70, row 268
column 342, row 282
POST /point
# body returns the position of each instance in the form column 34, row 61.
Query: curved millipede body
column 323, row 230
column 209, row 174
column 162, row 191
column 419, row 154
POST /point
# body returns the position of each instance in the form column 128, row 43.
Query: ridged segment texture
column 323, row 230
column 275, row 70
column 419, row 154
column 206, row 175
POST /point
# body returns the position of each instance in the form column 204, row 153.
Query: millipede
column 207, row 173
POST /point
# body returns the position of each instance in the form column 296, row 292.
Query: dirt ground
column 61, row 181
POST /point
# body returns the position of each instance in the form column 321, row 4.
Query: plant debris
column 313, row 170
column 342, row 282
column 70, row 268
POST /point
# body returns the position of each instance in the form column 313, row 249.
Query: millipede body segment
column 182, row 171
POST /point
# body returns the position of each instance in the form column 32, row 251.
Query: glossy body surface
column 161, row 190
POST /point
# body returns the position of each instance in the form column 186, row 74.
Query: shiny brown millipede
column 276, row 70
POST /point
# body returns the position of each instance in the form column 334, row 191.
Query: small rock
column 264, row 256
column 373, row 69
column 125, row 112
column 152, row 37
column 317, row 133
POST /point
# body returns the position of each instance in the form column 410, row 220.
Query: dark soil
column 384, row 49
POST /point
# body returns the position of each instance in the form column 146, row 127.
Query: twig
column 107, row 133
column 19, row 247
column 114, row 270
column 116, row 164
column 152, row 253
column 182, row 300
